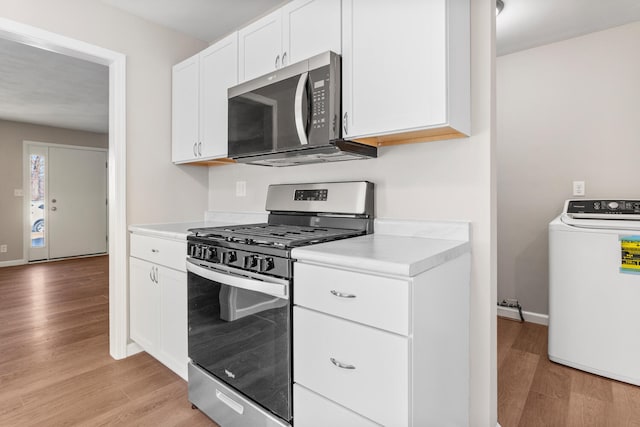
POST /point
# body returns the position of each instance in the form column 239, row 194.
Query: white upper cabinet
column 184, row 117
column 406, row 69
column 298, row 30
column 218, row 72
column 260, row 44
column 199, row 115
column 310, row 27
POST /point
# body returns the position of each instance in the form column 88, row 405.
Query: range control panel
column 614, row 209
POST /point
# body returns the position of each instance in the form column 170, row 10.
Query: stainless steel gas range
column 240, row 286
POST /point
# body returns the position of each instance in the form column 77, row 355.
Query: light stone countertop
column 179, row 230
column 397, row 247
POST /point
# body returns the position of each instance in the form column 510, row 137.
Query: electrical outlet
column 3, row 248
column 241, row 188
column 18, row 192
column 578, row 188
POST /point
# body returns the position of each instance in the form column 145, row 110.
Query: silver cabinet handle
column 53, row 200
column 277, row 61
column 54, row 208
column 341, row 365
column 345, row 117
column 199, row 148
column 284, row 59
column 153, row 274
column 342, row 295
column 195, row 149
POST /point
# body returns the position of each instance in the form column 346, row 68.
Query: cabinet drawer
column 170, row 253
column 313, row 410
column 374, row 377
column 373, row 300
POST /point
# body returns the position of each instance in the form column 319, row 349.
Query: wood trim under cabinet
column 214, row 162
column 424, row 135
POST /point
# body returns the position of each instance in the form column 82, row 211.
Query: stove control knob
column 210, row 254
column 613, row 205
column 196, row 251
column 229, row 257
column 250, row 261
column 266, row 264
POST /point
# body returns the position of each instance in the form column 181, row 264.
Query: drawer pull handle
column 342, row 294
column 341, row 365
column 155, row 251
column 229, row 402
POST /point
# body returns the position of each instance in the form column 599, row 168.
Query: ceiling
column 42, row 87
column 46, row 88
column 524, row 24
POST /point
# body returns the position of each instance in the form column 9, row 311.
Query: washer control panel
column 603, row 209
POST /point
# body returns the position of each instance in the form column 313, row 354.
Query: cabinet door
column 218, row 72
column 260, row 46
column 184, row 115
column 310, row 27
column 356, row 366
column 394, row 65
column 144, row 305
column 173, row 319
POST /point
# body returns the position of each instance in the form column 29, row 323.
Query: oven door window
column 243, row 338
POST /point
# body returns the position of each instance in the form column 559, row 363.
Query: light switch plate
column 578, row 188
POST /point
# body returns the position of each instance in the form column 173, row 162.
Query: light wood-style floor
column 55, row 367
column 533, row 391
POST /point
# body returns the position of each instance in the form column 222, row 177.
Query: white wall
column 566, row 111
column 438, row 180
column 157, row 191
column 12, row 136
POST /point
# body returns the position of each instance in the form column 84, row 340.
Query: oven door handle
column 269, row 285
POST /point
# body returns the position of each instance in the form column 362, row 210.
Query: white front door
column 74, row 203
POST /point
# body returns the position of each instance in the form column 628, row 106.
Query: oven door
column 240, row 332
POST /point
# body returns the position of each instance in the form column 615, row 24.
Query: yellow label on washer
column 630, row 254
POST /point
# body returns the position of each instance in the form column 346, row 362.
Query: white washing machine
column 594, row 288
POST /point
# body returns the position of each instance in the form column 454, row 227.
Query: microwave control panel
column 320, row 100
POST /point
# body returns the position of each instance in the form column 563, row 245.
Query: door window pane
column 37, row 201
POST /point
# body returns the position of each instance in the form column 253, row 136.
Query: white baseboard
column 512, row 313
column 12, row 263
column 133, row 348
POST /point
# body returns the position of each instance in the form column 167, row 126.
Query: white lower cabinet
column 311, row 409
column 158, row 300
column 356, row 366
column 358, row 361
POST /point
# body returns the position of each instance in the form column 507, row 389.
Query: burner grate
column 285, row 236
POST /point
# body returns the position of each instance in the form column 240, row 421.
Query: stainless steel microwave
column 291, row 116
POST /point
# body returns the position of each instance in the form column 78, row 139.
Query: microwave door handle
column 300, row 123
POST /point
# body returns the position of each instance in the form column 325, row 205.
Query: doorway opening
column 118, row 306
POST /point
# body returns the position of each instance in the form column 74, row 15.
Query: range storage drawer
column 378, row 301
column 170, row 253
column 313, row 410
column 362, row 368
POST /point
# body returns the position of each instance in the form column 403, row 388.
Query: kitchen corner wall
column 12, row 135
column 447, row 180
column 566, row 111
column 157, row 190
